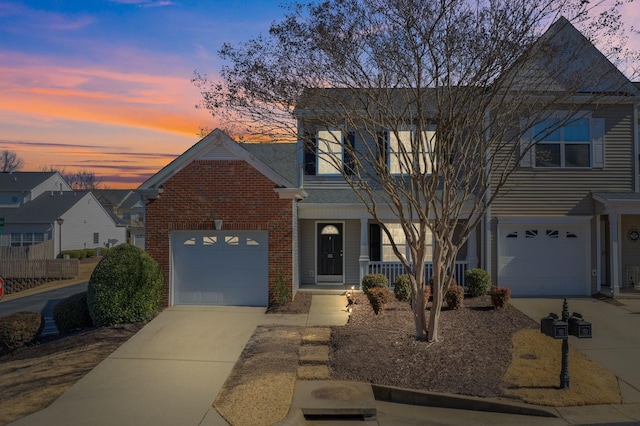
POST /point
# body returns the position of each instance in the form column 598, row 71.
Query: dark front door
column 330, row 251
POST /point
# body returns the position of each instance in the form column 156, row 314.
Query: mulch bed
column 471, row 358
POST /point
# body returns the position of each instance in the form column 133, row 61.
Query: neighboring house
column 40, row 207
column 128, row 207
column 228, row 221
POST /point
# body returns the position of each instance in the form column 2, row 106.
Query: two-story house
column 229, row 222
column 41, row 209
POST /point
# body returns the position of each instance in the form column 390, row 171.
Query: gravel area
column 471, row 359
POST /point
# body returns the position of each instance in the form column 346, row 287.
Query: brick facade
column 229, row 190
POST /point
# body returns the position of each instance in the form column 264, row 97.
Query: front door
column 330, row 251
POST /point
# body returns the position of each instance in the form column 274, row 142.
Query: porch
column 391, row 270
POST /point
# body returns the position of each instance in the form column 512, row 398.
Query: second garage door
column 544, row 259
column 220, row 268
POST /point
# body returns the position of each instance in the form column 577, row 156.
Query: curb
column 445, row 400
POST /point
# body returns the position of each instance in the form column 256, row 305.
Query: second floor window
column 577, row 144
column 405, row 153
column 330, row 153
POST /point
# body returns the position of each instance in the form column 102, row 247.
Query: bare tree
column 83, row 180
column 10, row 162
column 440, row 95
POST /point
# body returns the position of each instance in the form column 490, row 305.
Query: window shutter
column 525, row 142
column 310, row 158
column 597, row 142
column 349, row 164
column 383, row 148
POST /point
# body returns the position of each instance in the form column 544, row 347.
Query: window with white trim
column 577, row 144
column 402, row 159
column 330, row 152
column 401, row 242
column 22, row 239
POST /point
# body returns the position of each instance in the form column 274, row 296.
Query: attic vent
column 218, row 153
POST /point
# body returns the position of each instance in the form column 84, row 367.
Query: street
column 43, row 303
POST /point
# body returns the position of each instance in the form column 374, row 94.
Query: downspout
column 487, row 198
column 636, row 158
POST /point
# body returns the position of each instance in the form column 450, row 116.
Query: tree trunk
column 419, row 315
column 418, row 303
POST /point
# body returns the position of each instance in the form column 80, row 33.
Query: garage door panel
column 535, row 260
column 220, row 267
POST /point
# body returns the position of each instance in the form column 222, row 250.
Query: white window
column 330, row 152
column 96, row 237
column 401, row 242
column 402, row 158
column 577, row 144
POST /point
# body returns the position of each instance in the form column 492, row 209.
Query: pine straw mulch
column 471, row 358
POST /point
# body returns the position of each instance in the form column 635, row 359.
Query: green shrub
column 374, row 281
column 500, row 296
column 282, row 289
column 378, row 298
column 478, row 282
column 125, row 287
column 402, row 288
column 72, row 313
column 454, row 297
column 89, row 253
column 73, row 254
column 19, row 329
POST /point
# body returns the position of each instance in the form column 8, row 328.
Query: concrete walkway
column 170, row 372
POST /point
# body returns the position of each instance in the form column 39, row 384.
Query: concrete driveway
column 169, row 373
column 616, row 335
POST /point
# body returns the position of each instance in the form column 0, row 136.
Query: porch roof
column 617, row 202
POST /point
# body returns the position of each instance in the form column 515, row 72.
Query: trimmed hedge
column 19, row 329
column 374, row 281
column 454, row 297
column 402, row 288
column 125, row 287
column 478, row 282
column 72, row 313
column 378, row 298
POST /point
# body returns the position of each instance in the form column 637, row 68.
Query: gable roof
column 217, row 145
column 564, row 59
column 47, row 207
column 23, row 181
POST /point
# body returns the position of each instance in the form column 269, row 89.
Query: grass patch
column 534, row 374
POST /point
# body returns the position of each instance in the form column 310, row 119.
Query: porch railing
column 392, row 269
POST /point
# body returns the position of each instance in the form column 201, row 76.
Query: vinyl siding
column 85, row 218
column 567, row 192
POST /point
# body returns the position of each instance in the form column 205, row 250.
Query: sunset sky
column 104, row 85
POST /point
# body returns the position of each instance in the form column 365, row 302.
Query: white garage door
column 220, row 268
column 544, row 260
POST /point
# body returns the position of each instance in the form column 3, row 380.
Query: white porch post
column 472, row 250
column 364, row 249
column 614, row 231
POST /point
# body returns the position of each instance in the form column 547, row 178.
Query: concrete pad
column 314, row 355
column 313, row 372
column 334, row 398
column 328, row 310
column 389, row 414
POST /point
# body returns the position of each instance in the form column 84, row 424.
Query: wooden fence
column 40, row 251
column 49, row 268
